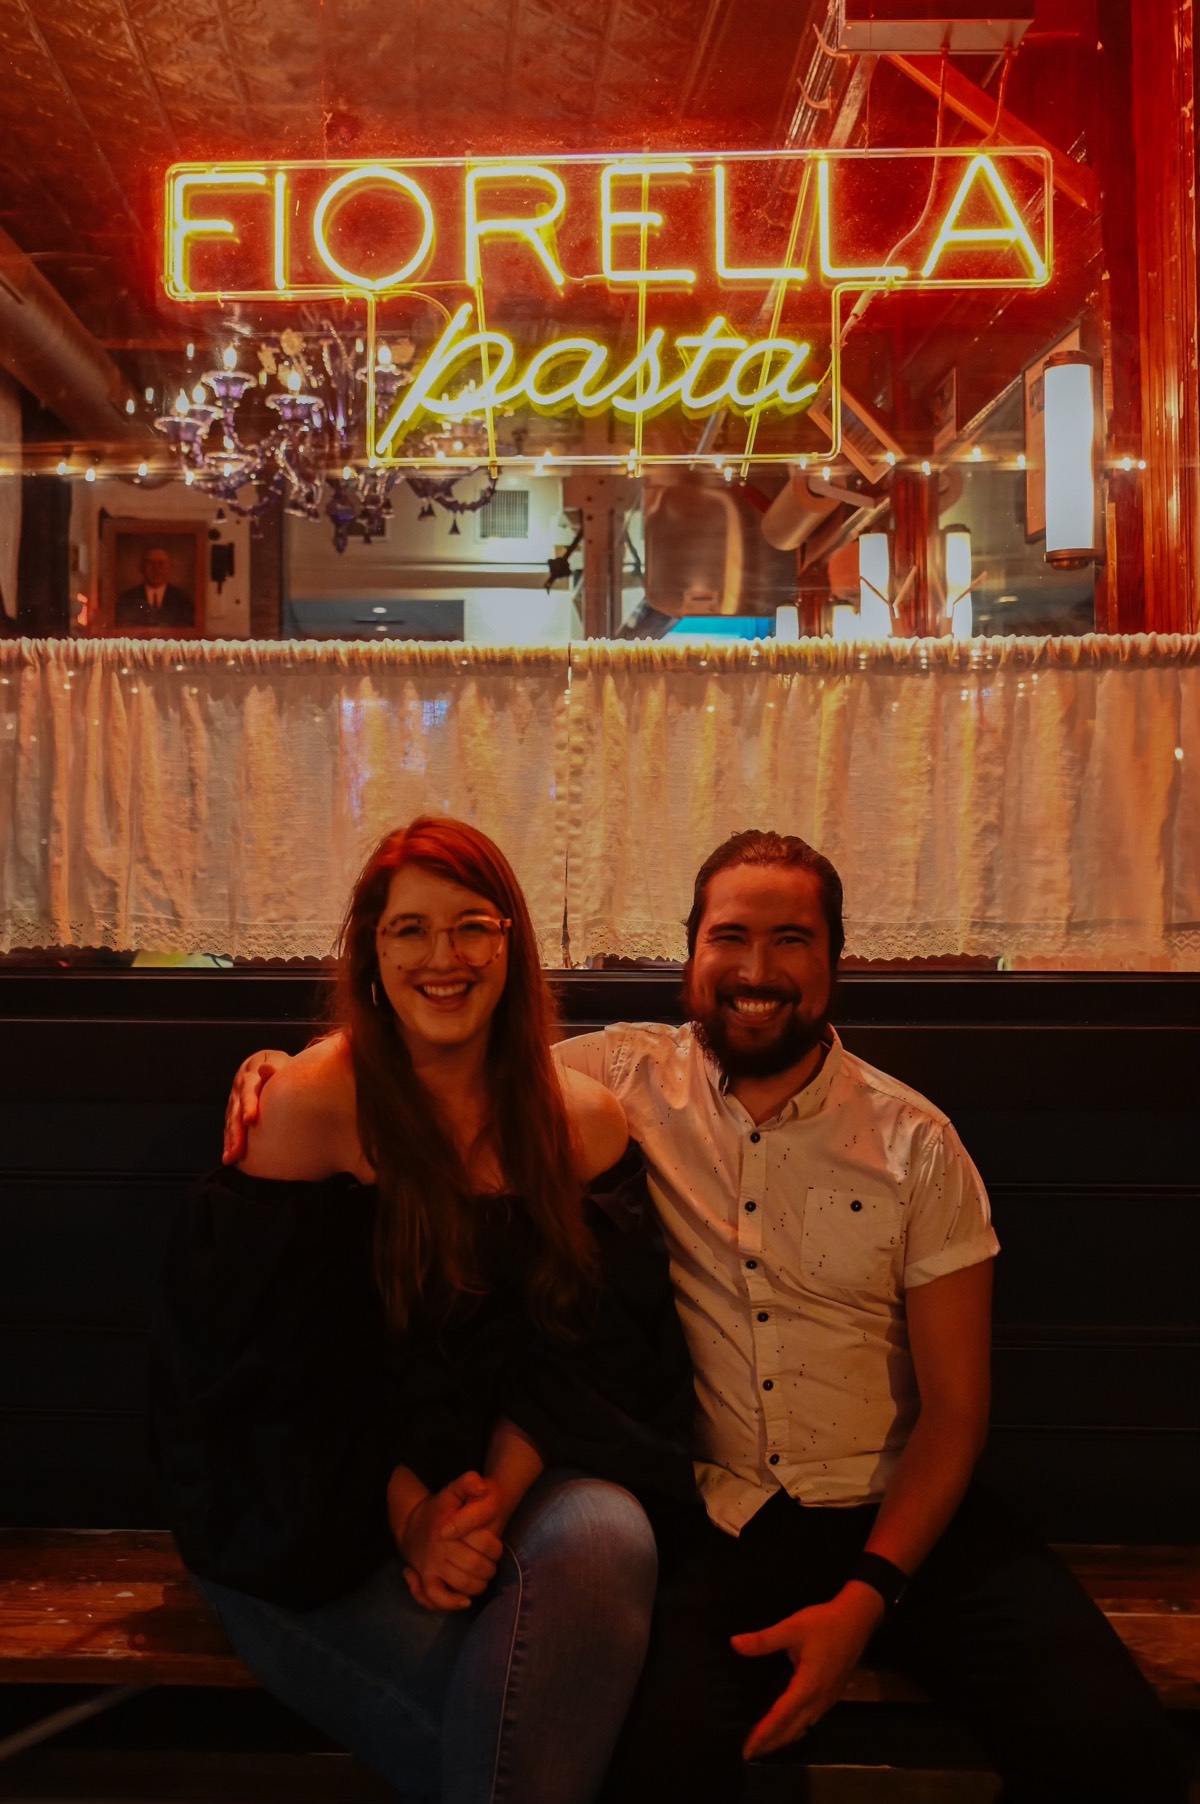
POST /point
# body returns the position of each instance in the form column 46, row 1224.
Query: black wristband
column 882, row 1576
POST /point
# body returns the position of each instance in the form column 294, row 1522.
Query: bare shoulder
column 307, row 1125
column 598, row 1119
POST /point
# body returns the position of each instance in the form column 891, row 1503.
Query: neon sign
column 654, row 290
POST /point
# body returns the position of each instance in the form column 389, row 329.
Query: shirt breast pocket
column 850, row 1240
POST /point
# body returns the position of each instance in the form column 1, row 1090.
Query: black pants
column 992, row 1626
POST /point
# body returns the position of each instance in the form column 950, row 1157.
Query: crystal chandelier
column 306, row 452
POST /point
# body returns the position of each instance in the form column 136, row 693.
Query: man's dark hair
column 753, row 846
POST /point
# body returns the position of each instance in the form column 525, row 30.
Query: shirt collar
column 804, row 1103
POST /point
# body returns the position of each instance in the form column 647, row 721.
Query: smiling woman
column 428, row 1292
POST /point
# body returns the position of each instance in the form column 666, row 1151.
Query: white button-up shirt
column 792, row 1244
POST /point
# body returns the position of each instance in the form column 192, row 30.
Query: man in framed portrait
column 155, row 601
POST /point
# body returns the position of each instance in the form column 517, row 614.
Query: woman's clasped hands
column 450, row 1539
column 450, row 1542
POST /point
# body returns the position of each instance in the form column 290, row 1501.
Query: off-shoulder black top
column 280, row 1402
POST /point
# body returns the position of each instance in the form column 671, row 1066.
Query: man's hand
column 241, row 1111
column 446, row 1563
column 824, row 1644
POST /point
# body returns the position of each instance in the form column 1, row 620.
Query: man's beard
column 791, row 1044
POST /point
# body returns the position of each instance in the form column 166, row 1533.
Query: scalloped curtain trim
column 1031, row 800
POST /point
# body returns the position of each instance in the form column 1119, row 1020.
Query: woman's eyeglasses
column 475, row 941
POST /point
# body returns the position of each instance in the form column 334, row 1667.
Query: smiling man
column 831, row 1252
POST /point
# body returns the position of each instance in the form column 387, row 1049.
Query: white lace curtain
column 220, row 797
column 1033, row 800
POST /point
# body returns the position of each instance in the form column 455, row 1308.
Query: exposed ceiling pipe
column 51, row 353
column 802, row 504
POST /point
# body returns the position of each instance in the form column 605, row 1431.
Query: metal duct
column 44, row 345
column 799, row 508
column 704, row 551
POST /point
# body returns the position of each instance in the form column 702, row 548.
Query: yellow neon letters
column 843, row 272
column 379, row 175
column 757, row 273
column 1014, row 233
column 640, row 388
column 613, row 218
column 272, row 232
column 315, row 194
column 594, row 358
column 280, row 237
column 536, row 229
column 182, row 229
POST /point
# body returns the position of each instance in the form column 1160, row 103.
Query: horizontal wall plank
column 123, row 1138
column 1100, row 1255
column 69, row 1367
column 72, row 1470
column 86, row 1248
column 84, row 1252
column 1101, row 1485
column 1092, row 1385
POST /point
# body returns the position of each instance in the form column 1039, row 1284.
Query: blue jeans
column 518, row 1700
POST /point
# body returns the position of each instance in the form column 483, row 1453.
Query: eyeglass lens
column 476, row 942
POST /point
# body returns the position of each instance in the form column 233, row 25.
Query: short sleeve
column 950, row 1219
column 587, row 1053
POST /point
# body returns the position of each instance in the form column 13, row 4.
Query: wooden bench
column 117, row 1609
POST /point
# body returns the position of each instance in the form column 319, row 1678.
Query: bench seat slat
column 110, row 1606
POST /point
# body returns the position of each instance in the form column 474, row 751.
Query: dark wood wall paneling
column 1076, row 1097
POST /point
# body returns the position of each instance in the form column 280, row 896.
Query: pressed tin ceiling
column 100, row 96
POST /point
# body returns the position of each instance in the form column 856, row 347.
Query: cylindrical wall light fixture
column 1070, row 418
column 787, row 623
column 958, row 581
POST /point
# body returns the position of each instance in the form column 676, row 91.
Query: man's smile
column 756, row 1007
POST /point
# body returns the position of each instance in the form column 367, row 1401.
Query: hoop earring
column 375, row 1002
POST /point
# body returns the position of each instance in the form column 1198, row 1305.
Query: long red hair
column 425, row 1237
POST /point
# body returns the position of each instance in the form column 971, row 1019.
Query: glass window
column 520, row 326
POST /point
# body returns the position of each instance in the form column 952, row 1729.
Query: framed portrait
column 152, row 577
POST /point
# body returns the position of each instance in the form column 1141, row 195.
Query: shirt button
column 752, row 1265
column 763, row 1316
column 755, row 1138
column 856, row 1205
column 774, row 1460
column 768, row 1384
column 750, row 1208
